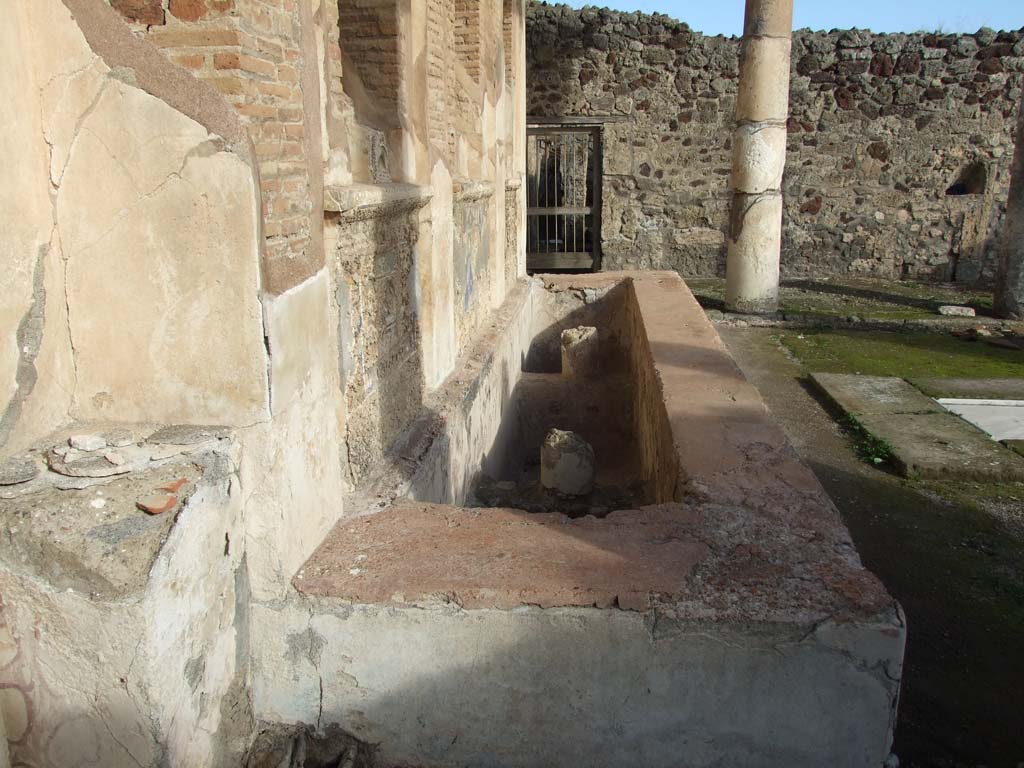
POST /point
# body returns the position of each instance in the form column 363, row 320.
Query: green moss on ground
column 860, row 297
column 918, row 355
column 868, row 447
column 906, row 354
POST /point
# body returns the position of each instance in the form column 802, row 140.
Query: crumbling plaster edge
column 29, row 338
column 834, row 633
column 112, row 40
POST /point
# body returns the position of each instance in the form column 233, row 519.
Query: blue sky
column 726, row 16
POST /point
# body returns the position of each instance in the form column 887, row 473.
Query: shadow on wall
column 381, row 362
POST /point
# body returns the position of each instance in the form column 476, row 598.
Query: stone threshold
column 361, row 201
column 924, row 438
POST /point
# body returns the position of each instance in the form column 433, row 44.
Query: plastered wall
column 130, row 246
column 212, row 217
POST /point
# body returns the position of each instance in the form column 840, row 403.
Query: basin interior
column 609, row 404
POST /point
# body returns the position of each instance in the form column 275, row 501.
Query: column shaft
column 759, row 158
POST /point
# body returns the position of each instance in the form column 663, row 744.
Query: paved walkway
column 1002, row 419
column 927, row 440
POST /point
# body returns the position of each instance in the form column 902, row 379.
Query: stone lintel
column 471, row 191
column 363, row 201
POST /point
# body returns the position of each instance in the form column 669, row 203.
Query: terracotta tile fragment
column 157, row 504
column 174, row 486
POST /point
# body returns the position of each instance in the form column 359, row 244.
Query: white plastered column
column 759, row 158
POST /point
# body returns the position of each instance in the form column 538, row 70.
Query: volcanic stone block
column 567, row 463
column 580, row 352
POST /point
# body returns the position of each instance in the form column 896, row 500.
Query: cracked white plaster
column 290, row 462
column 25, row 208
column 162, row 268
column 151, row 275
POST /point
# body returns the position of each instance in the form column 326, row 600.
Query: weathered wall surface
column 170, row 255
column 131, row 238
column 130, row 660
column 880, row 127
column 263, row 56
column 134, row 257
column 380, row 363
column 428, row 684
column 422, row 151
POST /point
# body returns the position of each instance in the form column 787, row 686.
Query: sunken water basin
column 718, row 616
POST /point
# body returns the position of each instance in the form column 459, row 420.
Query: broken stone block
column 119, row 438
column 17, row 470
column 82, row 464
column 567, row 463
column 580, row 352
column 186, row 434
column 953, row 311
column 87, row 442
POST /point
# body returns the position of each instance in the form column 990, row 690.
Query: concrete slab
column 926, row 439
column 942, row 446
column 874, row 395
column 1002, row 419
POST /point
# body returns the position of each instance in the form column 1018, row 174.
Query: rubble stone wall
column 880, row 127
column 381, row 369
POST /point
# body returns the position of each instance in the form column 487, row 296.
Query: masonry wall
column 880, row 127
column 363, row 95
column 215, row 216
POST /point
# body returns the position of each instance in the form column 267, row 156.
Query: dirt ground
column 955, row 564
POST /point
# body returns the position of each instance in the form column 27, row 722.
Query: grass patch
column 874, row 450
column 906, row 354
column 860, row 297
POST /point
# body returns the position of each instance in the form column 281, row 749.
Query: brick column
column 759, row 157
column 1009, row 299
